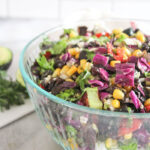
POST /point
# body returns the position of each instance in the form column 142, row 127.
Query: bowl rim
column 67, row 103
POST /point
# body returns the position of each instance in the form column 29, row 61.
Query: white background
column 58, row 9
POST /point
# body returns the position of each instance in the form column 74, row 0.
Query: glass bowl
column 76, row 127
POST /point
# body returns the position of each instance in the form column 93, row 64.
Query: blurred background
column 20, row 21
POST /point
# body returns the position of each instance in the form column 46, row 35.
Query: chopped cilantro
column 59, row 47
column 68, row 95
column 43, row 63
column 82, row 79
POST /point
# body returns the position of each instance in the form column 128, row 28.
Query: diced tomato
column 84, row 99
column 47, row 55
column 120, row 55
column 107, row 34
column 147, row 108
column 98, row 35
column 124, row 129
column 41, row 86
column 109, row 48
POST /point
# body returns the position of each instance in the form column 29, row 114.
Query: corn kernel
column 128, row 88
column 137, row 53
column 72, row 70
column 72, row 51
column 72, row 34
column 116, row 103
column 110, row 143
column 125, row 57
column 87, row 66
column 112, row 81
column 128, row 136
column 64, row 69
column 114, row 62
column 83, row 62
column 56, row 72
column 70, row 80
column 80, row 70
column 140, row 36
column 117, row 31
column 77, row 55
column 147, row 102
column 118, row 94
column 127, row 51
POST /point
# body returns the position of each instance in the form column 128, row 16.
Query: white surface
column 69, row 6
column 15, row 113
column 26, row 133
column 132, row 8
column 33, row 8
column 3, row 8
column 56, row 8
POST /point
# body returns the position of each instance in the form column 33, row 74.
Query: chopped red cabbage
column 103, row 74
column 133, row 59
column 133, row 46
column 110, row 68
column 125, row 74
column 143, row 65
column 140, row 88
column 103, row 87
column 66, row 57
column 135, row 99
column 100, row 60
column 71, row 61
column 104, row 95
column 101, row 50
column 96, row 83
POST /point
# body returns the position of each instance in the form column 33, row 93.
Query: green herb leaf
column 121, row 38
column 67, row 31
column 102, row 40
column 82, row 79
column 68, row 95
column 78, row 38
column 59, row 47
column 11, row 92
column 90, row 55
column 43, row 63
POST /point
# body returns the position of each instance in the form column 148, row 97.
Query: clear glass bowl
column 76, row 127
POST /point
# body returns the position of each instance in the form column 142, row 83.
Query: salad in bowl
column 91, row 87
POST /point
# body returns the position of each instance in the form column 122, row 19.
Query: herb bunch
column 11, row 92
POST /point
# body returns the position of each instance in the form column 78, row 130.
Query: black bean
column 46, row 73
column 92, row 44
column 83, row 55
column 35, row 70
column 95, row 71
column 145, row 47
column 82, row 30
column 129, row 31
column 136, row 30
column 59, row 63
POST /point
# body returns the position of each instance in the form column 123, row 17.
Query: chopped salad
column 100, row 70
